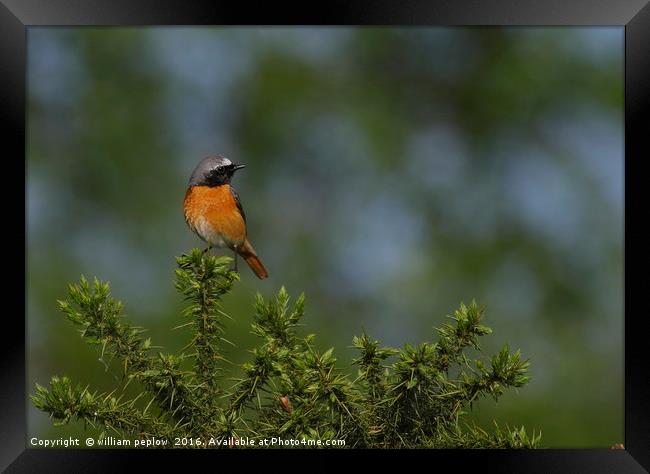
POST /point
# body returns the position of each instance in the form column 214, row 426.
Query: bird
column 214, row 212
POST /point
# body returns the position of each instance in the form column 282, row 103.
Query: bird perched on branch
column 214, row 212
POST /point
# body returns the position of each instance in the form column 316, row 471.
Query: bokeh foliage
column 392, row 173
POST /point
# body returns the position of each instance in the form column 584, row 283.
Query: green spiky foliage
column 413, row 397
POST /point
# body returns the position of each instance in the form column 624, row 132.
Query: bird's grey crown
column 205, row 166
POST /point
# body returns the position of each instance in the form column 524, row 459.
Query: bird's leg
column 207, row 249
column 235, row 252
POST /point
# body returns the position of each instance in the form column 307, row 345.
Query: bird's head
column 214, row 171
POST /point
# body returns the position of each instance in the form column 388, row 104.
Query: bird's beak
column 238, row 167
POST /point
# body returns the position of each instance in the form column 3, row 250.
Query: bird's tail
column 247, row 251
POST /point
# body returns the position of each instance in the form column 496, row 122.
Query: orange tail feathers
column 247, row 251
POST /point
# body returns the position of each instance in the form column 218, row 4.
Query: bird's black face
column 221, row 174
column 214, row 171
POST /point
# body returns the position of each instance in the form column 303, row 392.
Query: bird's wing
column 239, row 206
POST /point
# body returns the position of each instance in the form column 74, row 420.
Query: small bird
column 214, row 212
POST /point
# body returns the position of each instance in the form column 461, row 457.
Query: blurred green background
column 392, row 173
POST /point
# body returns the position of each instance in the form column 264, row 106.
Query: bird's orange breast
column 213, row 214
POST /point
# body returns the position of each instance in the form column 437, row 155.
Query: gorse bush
column 289, row 394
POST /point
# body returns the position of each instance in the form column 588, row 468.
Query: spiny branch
column 289, row 388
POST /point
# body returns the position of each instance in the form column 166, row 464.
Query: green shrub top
column 414, row 397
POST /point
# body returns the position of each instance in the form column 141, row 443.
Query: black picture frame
column 633, row 15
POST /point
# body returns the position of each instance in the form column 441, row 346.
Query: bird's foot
column 234, row 268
